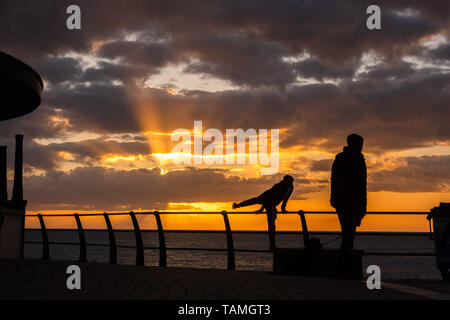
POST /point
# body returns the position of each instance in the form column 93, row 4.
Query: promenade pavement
column 37, row 279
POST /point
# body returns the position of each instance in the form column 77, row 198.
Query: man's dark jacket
column 349, row 182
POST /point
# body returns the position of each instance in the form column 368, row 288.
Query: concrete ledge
column 11, row 232
column 323, row 263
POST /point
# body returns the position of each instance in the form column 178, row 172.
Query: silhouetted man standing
column 269, row 200
column 348, row 191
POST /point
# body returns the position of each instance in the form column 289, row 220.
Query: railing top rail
column 318, row 232
column 215, row 212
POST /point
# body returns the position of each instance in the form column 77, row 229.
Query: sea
column 392, row 267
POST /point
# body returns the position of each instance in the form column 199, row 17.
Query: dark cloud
column 254, row 45
column 219, row 32
column 239, row 59
column 99, row 107
column 391, row 112
column 421, row 174
column 108, row 72
column 58, row 70
column 47, row 157
column 441, row 53
column 320, row 70
column 107, row 189
column 409, row 174
column 99, row 188
column 329, row 29
column 31, row 29
column 386, row 71
column 322, row 165
column 38, row 124
column 141, row 53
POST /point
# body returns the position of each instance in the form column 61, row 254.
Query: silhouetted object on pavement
column 269, row 200
column 441, row 236
column 314, row 259
column 310, row 244
column 349, row 194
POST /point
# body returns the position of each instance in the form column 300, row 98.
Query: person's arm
column 286, row 198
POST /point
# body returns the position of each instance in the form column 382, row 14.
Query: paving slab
column 38, row 279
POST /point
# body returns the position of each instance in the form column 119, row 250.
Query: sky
column 115, row 91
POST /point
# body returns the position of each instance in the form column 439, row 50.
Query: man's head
column 289, row 179
column 355, row 142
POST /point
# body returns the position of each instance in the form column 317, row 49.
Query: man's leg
column 347, row 221
column 348, row 228
column 247, row 203
column 257, row 200
column 271, row 217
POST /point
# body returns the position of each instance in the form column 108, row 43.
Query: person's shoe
column 234, row 205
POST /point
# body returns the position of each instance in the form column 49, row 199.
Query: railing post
column 230, row 245
column 81, row 238
column 112, row 240
column 162, row 241
column 139, row 243
column 304, row 228
column 45, row 245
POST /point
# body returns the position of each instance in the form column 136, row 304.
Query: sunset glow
column 136, row 109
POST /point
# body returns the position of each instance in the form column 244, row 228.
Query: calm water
column 391, row 266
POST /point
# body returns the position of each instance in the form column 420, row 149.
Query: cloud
column 320, row 70
column 393, row 108
column 418, row 174
column 264, row 50
column 404, row 174
column 239, row 59
column 141, row 53
column 384, row 71
column 322, row 165
column 108, row 72
column 99, row 107
column 58, row 70
column 246, row 33
column 86, row 152
column 98, row 188
column 441, row 53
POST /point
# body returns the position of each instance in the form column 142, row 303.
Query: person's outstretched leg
column 247, row 203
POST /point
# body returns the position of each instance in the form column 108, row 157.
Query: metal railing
column 140, row 248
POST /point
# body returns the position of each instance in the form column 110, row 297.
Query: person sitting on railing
column 269, row 200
